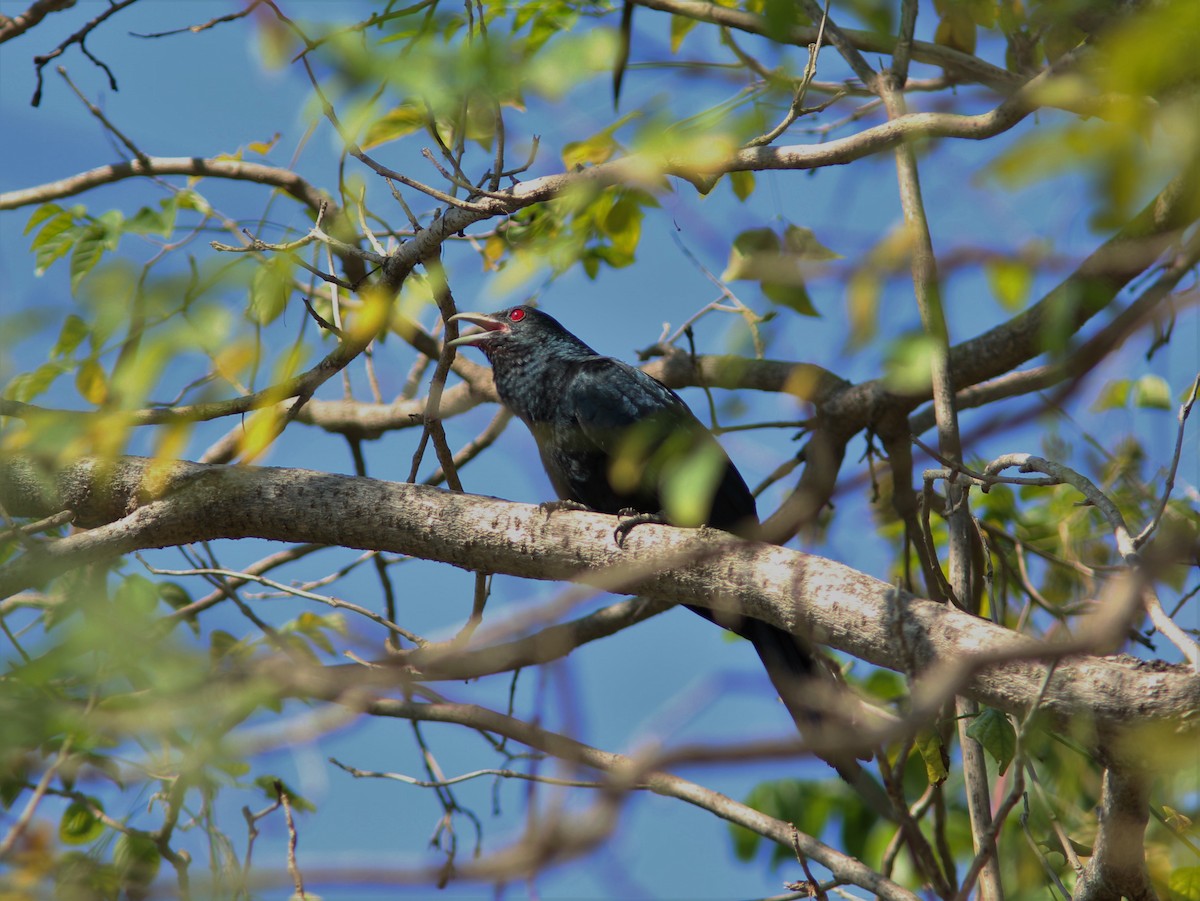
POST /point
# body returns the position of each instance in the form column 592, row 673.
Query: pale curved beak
column 487, row 324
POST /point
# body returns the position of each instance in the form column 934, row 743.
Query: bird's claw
column 634, row 518
column 550, row 507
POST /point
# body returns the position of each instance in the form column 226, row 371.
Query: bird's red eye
column 516, row 315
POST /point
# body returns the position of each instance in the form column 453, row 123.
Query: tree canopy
column 280, row 611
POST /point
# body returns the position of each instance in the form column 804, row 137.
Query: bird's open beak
column 486, row 323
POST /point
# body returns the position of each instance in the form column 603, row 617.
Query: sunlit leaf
column 1184, row 883
column 689, row 486
column 91, row 382
column 262, row 148
column 1011, row 282
column 1153, row 392
column 599, row 148
column 1178, row 821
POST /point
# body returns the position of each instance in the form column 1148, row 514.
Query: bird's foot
column 634, row 518
column 549, row 507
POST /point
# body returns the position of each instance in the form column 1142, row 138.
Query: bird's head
column 517, row 331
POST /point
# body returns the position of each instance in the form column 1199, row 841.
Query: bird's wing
column 607, row 397
column 611, row 400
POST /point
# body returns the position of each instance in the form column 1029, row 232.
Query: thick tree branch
column 13, row 26
column 1117, row 868
column 144, row 504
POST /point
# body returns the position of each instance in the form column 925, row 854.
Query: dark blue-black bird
column 611, row 437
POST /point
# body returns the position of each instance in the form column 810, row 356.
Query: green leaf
column 680, row 26
column 933, row 752
column 149, row 221
column 909, row 366
column 135, row 598
column 55, row 240
column 89, row 248
column 1153, row 392
column 780, row 17
column 689, row 486
column 802, row 244
column 136, row 859
column 750, row 252
column 1011, row 282
column 92, row 382
column 759, row 254
column 70, row 336
column 784, row 799
column 221, row 644
column 270, row 288
column 273, row 787
column 79, row 825
column 956, row 30
column 1184, row 883
column 398, row 122
column 742, row 183
column 1113, row 396
column 793, row 296
column 28, row 385
column 597, row 149
column 41, row 214
column 995, row 732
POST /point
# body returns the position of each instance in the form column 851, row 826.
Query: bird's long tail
column 795, row 673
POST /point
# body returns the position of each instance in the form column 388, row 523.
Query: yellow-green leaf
column 680, row 26
column 956, row 30
column 262, row 148
column 597, row 149
column 1011, row 282
column 1184, row 883
column 929, row 744
column 1113, row 396
column 689, row 487
column 742, row 183
column 396, row 123
column 92, row 382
